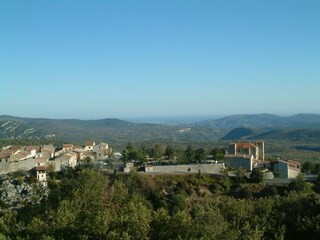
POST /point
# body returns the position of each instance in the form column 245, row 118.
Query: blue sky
column 96, row 59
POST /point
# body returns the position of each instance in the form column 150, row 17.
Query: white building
column 89, row 145
column 42, row 175
column 287, row 169
column 128, row 167
column 255, row 149
column 71, row 157
column 246, row 155
column 239, row 161
column 66, row 147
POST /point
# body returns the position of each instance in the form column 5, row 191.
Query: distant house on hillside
column 287, row 169
column 239, row 161
column 128, row 167
column 66, row 147
column 66, row 160
column 244, row 155
column 49, row 150
column 248, row 148
column 42, row 175
column 101, row 150
column 89, row 145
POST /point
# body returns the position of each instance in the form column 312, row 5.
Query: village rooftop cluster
column 49, row 158
column 244, row 155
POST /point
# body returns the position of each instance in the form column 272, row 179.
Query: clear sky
column 131, row 58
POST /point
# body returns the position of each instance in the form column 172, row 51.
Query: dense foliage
column 87, row 204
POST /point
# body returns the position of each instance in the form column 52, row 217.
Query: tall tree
column 129, row 153
column 200, row 154
column 189, row 154
column 158, row 151
column 169, row 152
column 217, row 154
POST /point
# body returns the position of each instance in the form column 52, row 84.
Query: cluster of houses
column 48, row 157
column 250, row 155
column 245, row 155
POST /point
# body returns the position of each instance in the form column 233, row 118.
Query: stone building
column 255, row 149
column 101, row 150
column 286, row 169
column 244, row 155
column 41, row 175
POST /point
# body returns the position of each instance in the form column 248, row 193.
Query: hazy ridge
column 300, row 127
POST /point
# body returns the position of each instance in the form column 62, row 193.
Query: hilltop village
column 40, row 159
column 111, row 196
column 48, row 158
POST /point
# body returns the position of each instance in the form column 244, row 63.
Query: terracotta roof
column 41, row 159
column 295, row 168
column 67, row 146
column 41, row 168
column 48, row 147
column 293, row 162
column 4, row 155
column 245, row 145
column 48, row 151
column 103, row 144
column 30, row 148
column 89, row 143
column 10, row 151
column 15, row 148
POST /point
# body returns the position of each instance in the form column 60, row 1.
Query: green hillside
column 240, row 133
column 265, row 121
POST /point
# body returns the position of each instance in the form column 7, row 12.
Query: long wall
column 22, row 165
column 188, row 168
column 4, row 167
column 239, row 162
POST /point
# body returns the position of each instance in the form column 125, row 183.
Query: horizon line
column 162, row 117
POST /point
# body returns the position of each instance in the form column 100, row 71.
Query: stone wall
column 4, row 167
column 239, row 162
column 292, row 173
column 22, row 165
column 188, row 168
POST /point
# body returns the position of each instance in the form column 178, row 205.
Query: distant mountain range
column 280, row 135
column 115, row 131
column 265, row 121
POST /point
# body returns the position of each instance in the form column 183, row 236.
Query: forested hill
column 118, row 132
column 278, row 135
column 113, row 131
column 264, row 121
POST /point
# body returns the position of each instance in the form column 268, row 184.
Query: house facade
column 89, row 145
column 286, row 169
column 246, row 155
column 255, row 149
column 101, row 150
column 41, row 175
column 240, row 161
column 66, row 147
